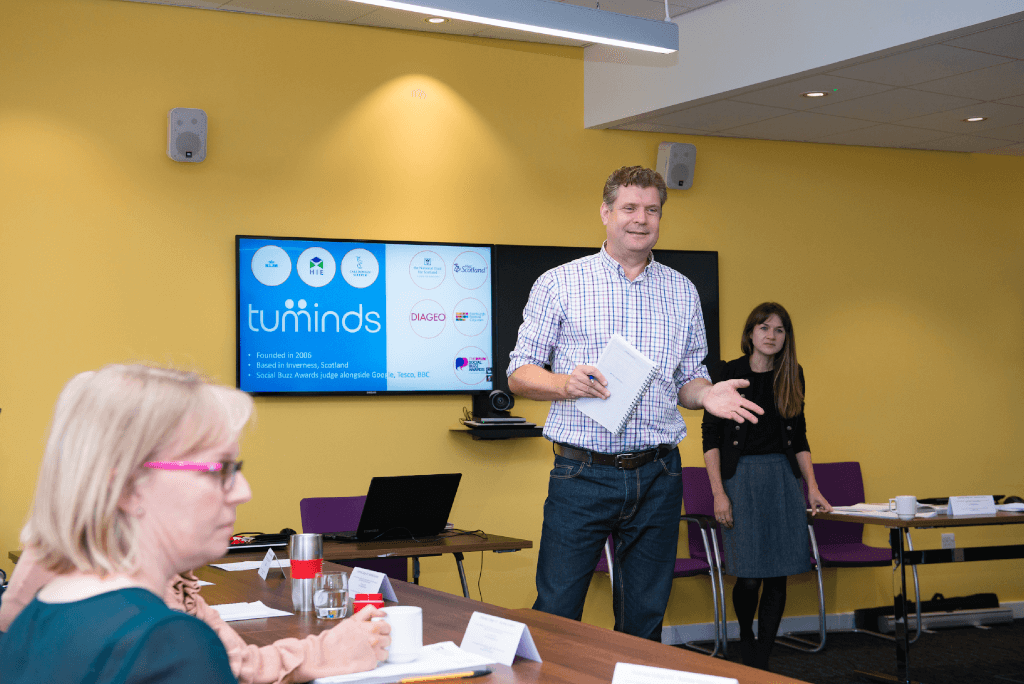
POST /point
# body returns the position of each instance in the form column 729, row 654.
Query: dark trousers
column 640, row 508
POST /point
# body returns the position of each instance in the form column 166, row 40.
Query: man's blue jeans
column 640, row 509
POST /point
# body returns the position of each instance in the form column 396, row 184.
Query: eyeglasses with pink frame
column 227, row 469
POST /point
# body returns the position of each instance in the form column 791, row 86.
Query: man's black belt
column 626, row 460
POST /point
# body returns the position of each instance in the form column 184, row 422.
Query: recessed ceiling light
column 975, row 119
column 435, row 20
column 814, row 93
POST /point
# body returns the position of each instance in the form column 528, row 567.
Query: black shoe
column 748, row 650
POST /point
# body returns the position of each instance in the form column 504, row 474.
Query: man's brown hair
column 634, row 175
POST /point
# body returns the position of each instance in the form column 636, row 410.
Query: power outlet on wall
column 948, row 540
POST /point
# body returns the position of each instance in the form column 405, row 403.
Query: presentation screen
column 359, row 317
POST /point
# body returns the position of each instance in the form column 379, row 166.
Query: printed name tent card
column 269, row 561
column 363, row 581
column 500, row 639
column 972, row 505
column 628, row 673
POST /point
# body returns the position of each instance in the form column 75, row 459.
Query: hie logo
column 315, row 320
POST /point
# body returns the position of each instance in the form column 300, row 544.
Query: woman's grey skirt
column 769, row 534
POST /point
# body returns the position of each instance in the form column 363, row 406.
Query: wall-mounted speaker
column 186, row 134
column 675, row 164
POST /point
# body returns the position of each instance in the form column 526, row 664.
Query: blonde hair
column 106, row 424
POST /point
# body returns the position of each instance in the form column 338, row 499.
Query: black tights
column 769, row 615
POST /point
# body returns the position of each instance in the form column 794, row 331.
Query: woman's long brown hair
column 789, row 394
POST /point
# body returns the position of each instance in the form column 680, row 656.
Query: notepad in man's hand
column 629, row 373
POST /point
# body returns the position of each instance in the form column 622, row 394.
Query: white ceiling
column 915, row 98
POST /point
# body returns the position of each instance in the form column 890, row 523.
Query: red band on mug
column 306, row 569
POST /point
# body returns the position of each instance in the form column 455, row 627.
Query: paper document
column 434, row 659
column 1011, row 507
column 247, row 611
column 628, row 673
column 629, row 373
column 248, row 565
column 883, row 511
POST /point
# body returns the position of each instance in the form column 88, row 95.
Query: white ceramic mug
column 406, row 633
column 905, row 507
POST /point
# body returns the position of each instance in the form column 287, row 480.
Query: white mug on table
column 406, row 632
column 905, row 507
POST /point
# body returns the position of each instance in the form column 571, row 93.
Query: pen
column 468, row 674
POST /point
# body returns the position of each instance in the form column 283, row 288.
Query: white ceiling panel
column 662, row 128
column 798, row 126
column 788, row 94
column 1015, row 133
column 960, row 143
column 882, row 135
column 195, row 4
column 1015, row 101
column 894, row 105
column 720, row 115
column 397, row 19
column 1014, row 150
column 314, row 10
column 917, row 66
column 952, row 121
column 993, row 83
column 1007, row 41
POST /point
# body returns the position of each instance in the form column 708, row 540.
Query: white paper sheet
column 435, row 658
column 247, row 611
column 628, row 673
column 248, row 565
column 1011, row 507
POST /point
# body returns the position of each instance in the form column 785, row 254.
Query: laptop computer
column 404, row 507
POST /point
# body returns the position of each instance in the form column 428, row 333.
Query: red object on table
column 306, row 569
column 363, row 600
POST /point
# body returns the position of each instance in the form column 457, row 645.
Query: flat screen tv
column 320, row 316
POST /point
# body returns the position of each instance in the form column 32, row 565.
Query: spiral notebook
column 629, row 373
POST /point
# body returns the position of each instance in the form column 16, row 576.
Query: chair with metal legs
column 703, row 549
column 836, row 544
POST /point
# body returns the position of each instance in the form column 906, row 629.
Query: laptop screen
column 407, row 506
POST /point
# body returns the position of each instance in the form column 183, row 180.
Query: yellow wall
column 901, row 268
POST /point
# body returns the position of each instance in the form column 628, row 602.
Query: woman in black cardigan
column 754, row 470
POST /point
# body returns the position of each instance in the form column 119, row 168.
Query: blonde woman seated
column 115, row 523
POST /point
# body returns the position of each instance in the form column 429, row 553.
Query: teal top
column 128, row 636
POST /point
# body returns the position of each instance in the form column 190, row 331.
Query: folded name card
column 363, row 581
column 972, row 505
column 499, row 639
column 628, row 673
column 269, row 561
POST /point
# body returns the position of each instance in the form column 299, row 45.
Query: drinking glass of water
column 330, row 594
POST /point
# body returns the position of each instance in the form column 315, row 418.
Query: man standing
column 626, row 484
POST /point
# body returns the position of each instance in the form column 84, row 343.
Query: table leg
column 415, row 569
column 899, row 604
column 462, row 573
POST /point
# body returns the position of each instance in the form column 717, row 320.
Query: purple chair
column 702, row 560
column 837, row 544
column 324, row 515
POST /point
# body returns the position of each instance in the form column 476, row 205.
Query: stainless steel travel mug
column 306, row 552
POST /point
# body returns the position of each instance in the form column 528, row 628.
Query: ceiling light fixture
column 552, row 19
column 435, row 20
column 814, row 93
column 975, row 119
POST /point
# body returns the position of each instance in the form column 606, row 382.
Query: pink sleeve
column 26, row 580
column 283, row 662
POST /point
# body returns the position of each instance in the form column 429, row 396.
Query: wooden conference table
column 901, row 558
column 449, row 542
column 573, row 652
